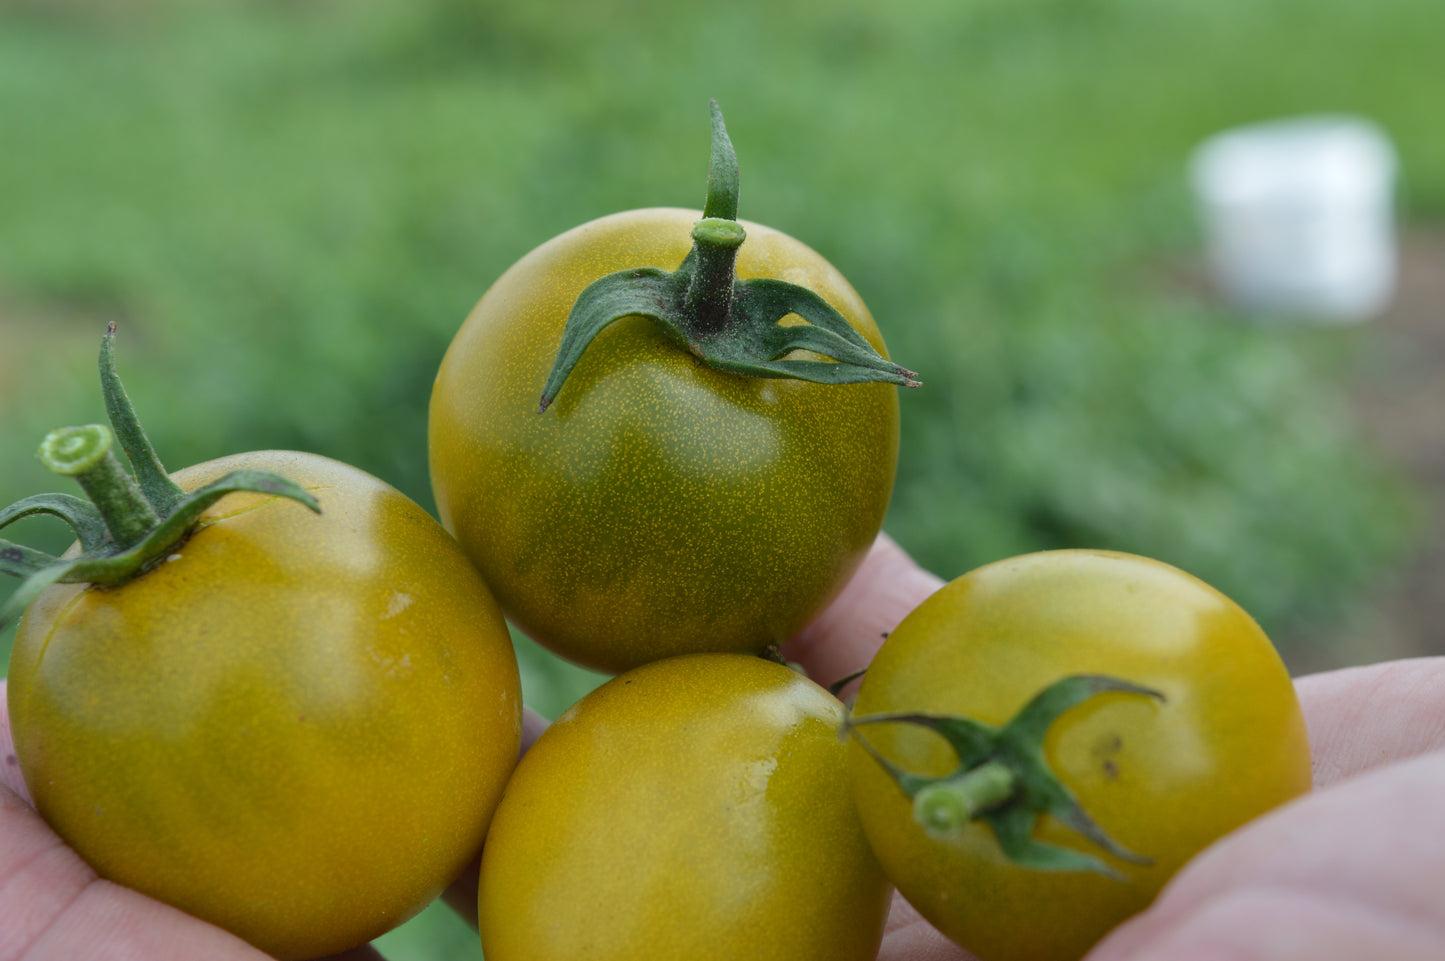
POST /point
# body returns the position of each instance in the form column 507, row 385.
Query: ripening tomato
column 295, row 727
column 1222, row 740
column 693, row 809
column 659, row 506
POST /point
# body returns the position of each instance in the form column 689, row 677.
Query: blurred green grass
column 289, row 208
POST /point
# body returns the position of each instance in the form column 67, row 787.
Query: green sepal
column 727, row 323
column 1020, row 744
column 105, row 558
column 1013, row 826
column 111, row 569
column 722, row 171
column 118, row 568
column 77, row 512
column 972, row 741
column 1018, row 747
column 640, row 292
column 836, row 688
column 1030, row 724
column 32, row 587
column 17, row 560
column 755, row 344
column 160, row 491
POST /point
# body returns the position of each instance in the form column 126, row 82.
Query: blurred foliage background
column 289, row 207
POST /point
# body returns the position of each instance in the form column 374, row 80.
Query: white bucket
column 1298, row 216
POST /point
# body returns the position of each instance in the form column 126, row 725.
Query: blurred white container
column 1298, row 216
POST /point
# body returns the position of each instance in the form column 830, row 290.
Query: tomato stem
column 709, row 298
column 729, row 324
column 1003, row 778
column 87, row 454
column 945, row 807
column 129, row 523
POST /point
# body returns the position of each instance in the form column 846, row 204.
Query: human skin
column 1354, row 869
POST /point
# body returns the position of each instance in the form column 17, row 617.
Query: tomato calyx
column 730, row 324
column 1003, row 779
column 130, row 523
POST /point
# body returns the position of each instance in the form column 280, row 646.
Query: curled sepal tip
column 79, row 514
column 1003, row 779
column 837, row 687
column 727, row 323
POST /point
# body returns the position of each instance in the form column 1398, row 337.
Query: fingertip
column 10, row 776
column 844, row 637
column 533, row 724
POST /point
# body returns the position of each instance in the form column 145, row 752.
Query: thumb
column 1352, row 871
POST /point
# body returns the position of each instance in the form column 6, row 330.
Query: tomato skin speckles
column 658, row 506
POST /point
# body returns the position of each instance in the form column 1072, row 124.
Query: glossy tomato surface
column 694, row 809
column 658, row 506
column 1163, row 779
column 296, row 727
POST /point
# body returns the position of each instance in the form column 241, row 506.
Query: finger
column 461, row 894
column 1352, row 871
column 54, row 908
column 1363, row 717
column 908, row 937
column 1272, row 925
column 843, row 639
column 10, row 776
column 533, row 724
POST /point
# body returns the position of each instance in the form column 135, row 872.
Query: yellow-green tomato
column 693, row 809
column 296, row 727
column 1163, row 778
column 659, row 506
